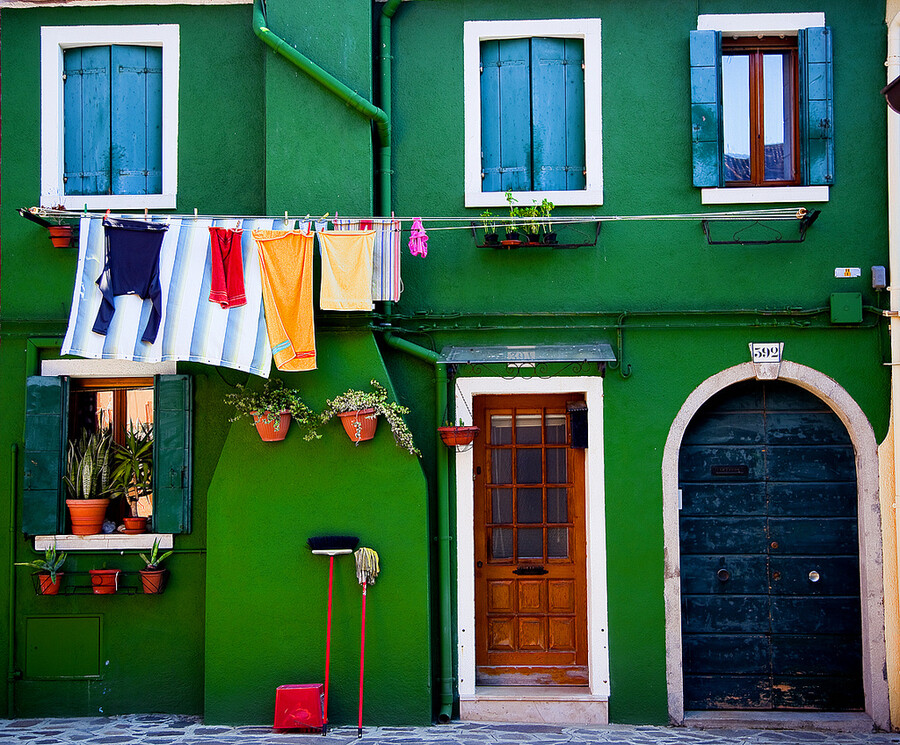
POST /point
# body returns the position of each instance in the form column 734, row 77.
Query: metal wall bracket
column 804, row 221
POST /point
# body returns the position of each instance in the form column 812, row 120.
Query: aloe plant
column 89, row 464
column 155, row 558
column 51, row 563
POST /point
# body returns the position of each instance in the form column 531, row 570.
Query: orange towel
column 285, row 263
column 346, row 269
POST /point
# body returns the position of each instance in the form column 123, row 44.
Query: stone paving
column 160, row 729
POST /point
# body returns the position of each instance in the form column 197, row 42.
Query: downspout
column 341, row 90
column 442, row 475
column 11, row 675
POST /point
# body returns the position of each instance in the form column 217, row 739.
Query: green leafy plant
column 546, row 207
column 89, row 464
column 133, row 471
column 392, row 411
column 51, row 563
column 155, row 559
column 531, row 214
column 488, row 222
column 514, row 213
column 269, row 401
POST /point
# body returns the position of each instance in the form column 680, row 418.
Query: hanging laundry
column 418, row 240
column 346, row 269
column 191, row 328
column 131, row 268
column 285, row 260
column 227, row 281
column 386, row 283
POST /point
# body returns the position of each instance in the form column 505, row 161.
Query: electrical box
column 300, row 706
column 578, row 424
column 846, row 307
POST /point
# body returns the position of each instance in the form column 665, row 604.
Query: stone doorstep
column 851, row 721
column 572, row 706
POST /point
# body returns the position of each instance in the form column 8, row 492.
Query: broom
column 366, row 571
column 331, row 546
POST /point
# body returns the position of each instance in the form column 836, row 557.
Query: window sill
column 586, row 198
column 102, row 542
column 765, row 194
column 110, row 201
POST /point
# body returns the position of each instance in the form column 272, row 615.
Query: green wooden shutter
column 557, row 113
column 86, row 117
column 816, row 105
column 173, row 402
column 136, row 103
column 706, row 107
column 46, row 424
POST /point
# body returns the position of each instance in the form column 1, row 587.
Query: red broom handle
column 328, row 633
column 362, row 649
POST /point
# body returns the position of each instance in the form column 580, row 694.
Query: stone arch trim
column 869, row 520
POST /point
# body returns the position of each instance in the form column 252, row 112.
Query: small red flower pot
column 458, row 436
column 104, row 581
column 46, row 586
column 135, row 525
column 272, row 431
column 359, row 425
column 153, row 580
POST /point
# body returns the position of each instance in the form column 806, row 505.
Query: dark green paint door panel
column 62, row 647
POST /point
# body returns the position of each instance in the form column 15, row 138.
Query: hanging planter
column 48, row 574
column 60, row 235
column 272, row 407
column 154, row 580
column 360, row 424
column 458, row 436
column 47, row 585
column 104, row 581
column 272, row 427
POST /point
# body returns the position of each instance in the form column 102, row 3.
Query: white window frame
column 54, row 41
column 767, row 24
column 586, row 29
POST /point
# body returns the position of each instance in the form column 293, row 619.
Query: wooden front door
column 530, row 586
column 769, row 554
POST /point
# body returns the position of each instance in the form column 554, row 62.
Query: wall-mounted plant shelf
column 79, row 583
column 762, row 232
column 568, row 235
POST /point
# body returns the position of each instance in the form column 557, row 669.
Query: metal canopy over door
column 769, row 554
column 530, row 586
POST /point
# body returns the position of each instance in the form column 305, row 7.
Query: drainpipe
column 443, row 520
column 342, row 91
column 11, row 675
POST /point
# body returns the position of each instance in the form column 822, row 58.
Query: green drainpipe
column 443, row 520
column 342, row 91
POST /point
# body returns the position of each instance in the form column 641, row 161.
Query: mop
column 366, row 571
column 331, row 546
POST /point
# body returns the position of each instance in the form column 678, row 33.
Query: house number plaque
column 767, row 352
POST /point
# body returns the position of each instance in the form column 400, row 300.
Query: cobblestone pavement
column 176, row 730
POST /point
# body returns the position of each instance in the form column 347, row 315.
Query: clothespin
column 145, row 213
column 195, row 211
column 168, row 219
column 85, row 209
column 285, row 217
column 106, row 216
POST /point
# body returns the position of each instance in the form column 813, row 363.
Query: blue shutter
column 816, row 106
column 136, row 97
column 706, row 107
column 557, row 113
column 86, row 117
column 515, row 114
column 46, row 425
column 172, row 454
column 490, row 116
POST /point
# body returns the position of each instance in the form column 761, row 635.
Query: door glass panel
column 528, row 429
column 531, row 543
column 777, row 117
column 501, row 506
column 501, row 466
column 736, row 116
column 501, row 429
column 556, row 466
column 501, row 543
column 528, row 466
column 556, row 428
column 557, row 505
column 557, row 543
column 529, row 505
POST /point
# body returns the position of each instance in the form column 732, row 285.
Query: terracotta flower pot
column 154, row 580
column 104, row 581
column 272, row 431
column 457, row 436
column 87, row 515
column 46, row 587
column 60, row 235
column 135, row 525
column 359, row 425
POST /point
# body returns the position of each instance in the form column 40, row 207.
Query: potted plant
column 104, row 581
column 359, row 412
column 491, row 238
column 88, row 480
column 546, row 207
column 272, row 407
column 49, row 576
column 133, row 472
column 512, row 227
column 458, row 435
column 153, row 578
column 533, row 228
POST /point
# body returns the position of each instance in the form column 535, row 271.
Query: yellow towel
column 285, row 263
column 346, row 269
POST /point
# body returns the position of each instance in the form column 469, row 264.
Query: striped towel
column 192, row 328
column 386, row 283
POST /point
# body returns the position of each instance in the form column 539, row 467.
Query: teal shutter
column 490, row 116
column 515, row 114
column 86, row 116
column 46, row 425
column 172, row 454
column 706, row 107
column 816, row 106
column 557, row 113
column 136, row 103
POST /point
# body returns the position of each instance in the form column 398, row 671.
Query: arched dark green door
column 769, row 554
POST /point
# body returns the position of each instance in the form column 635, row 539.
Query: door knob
column 814, row 576
column 723, row 575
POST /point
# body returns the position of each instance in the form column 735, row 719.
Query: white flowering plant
column 268, row 402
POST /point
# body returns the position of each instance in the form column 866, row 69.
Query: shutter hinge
column 64, row 76
column 481, row 69
column 582, row 65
